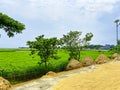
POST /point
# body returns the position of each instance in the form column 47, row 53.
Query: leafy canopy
column 73, row 43
column 45, row 48
column 10, row 26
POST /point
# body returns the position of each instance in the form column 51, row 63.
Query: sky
column 53, row 18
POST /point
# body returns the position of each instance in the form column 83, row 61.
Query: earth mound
column 115, row 56
column 4, row 84
column 87, row 61
column 51, row 73
column 73, row 64
column 101, row 59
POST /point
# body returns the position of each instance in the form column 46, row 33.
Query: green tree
column 97, row 47
column 118, row 42
column 10, row 26
column 114, row 49
column 74, row 43
column 45, row 48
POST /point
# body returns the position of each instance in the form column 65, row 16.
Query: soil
column 96, row 77
column 104, row 77
column 49, row 80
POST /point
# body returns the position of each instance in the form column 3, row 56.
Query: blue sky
column 53, row 18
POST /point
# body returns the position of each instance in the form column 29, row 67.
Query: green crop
column 20, row 63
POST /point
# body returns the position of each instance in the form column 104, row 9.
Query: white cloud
column 59, row 9
column 9, row 2
column 63, row 15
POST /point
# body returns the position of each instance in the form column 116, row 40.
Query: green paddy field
column 18, row 61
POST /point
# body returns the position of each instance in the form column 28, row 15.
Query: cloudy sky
column 53, row 18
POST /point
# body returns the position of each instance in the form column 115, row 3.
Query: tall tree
column 74, row 43
column 45, row 48
column 10, row 26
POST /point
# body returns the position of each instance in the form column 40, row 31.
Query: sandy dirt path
column 104, row 77
column 48, row 81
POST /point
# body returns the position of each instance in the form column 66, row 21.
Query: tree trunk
column 78, row 55
column 46, row 66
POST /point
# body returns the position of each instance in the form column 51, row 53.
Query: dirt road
column 48, row 81
column 104, row 77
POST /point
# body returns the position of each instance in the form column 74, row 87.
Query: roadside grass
column 14, row 62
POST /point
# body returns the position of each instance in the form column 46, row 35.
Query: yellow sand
column 104, row 77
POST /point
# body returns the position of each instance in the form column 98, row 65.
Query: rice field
column 19, row 61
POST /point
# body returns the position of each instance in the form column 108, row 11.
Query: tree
column 74, row 43
column 113, row 49
column 45, row 48
column 97, row 47
column 10, row 26
column 118, row 42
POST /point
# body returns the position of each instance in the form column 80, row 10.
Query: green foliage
column 97, row 47
column 10, row 26
column 71, row 41
column 86, row 39
column 74, row 44
column 20, row 62
column 114, row 49
column 118, row 42
column 44, row 47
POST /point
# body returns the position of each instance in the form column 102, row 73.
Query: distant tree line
column 100, row 47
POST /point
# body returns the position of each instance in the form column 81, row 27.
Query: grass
column 95, row 53
column 18, row 61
